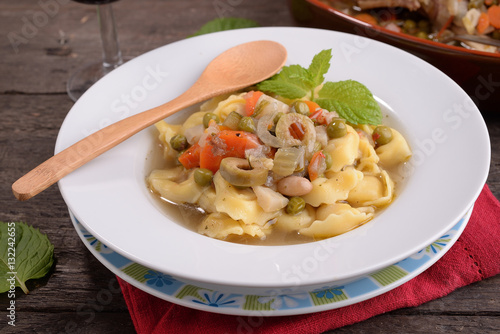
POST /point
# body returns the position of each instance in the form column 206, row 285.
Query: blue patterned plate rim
column 233, row 302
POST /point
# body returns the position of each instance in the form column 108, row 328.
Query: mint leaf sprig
column 25, row 253
column 295, row 82
column 349, row 98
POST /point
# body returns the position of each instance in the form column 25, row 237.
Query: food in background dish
column 437, row 20
column 262, row 166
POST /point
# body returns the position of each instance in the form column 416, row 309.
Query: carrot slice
column 367, row 18
column 446, row 25
column 251, row 98
column 210, row 157
column 226, row 143
column 190, row 158
column 239, row 141
column 319, row 117
column 483, row 23
column 313, row 106
column 494, row 16
column 317, row 166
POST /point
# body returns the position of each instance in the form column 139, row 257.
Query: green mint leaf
column 351, row 100
column 225, row 23
column 25, row 254
column 292, row 82
column 320, row 66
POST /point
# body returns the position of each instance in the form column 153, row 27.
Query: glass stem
column 112, row 56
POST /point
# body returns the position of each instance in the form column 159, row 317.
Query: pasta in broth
column 266, row 170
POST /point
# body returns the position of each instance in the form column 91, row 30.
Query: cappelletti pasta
column 258, row 167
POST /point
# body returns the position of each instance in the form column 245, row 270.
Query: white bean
column 294, row 186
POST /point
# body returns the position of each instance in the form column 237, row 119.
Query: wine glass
column 85, row 77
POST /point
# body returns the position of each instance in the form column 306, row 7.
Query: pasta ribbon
column 290, row 223
column 240, row 204
column 167, row 131
column 344, row 149
column 220, row 226
column 368, row 158
column 373, row 190
column 335, row 219
column 395, row 152
column 163, row 182
column 232, row 103
column 334, row 188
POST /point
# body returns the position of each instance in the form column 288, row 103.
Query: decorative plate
column 235, row 302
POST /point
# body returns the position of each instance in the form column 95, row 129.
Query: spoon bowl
column 239, row 67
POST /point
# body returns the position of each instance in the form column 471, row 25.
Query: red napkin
column 475, row 256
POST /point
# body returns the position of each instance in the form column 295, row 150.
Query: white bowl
column 443, row 179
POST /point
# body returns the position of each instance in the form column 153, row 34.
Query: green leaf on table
column 351, row 100
column 25, row 253
column 225, row 23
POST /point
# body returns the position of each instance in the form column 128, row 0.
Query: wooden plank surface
column 33, row 104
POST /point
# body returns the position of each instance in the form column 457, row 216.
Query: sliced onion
column 208, row 134
column 194, row 133
column 270, row 106
column 263, row 126
column 321, row 135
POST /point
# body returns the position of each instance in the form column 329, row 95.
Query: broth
column 190, row 216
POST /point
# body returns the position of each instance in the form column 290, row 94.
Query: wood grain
column 33, row 104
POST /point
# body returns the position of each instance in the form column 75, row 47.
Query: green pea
column 203, row 176
column 424, row 26
column 336, row 129
column 409, row 25
column 382, row 135
column 209, row 116
column 295, row 205
column 179, row 142
column 247, row 124
column 422, row 34
column 300, row 107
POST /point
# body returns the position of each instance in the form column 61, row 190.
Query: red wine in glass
column 85, row 77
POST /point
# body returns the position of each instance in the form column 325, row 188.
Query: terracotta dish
column 477, row 72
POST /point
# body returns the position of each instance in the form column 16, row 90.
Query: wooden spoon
column 236, row 68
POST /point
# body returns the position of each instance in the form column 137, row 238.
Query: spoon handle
column 73, row 157
column 236, row 68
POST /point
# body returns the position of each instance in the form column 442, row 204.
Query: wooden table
column 33, row 104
